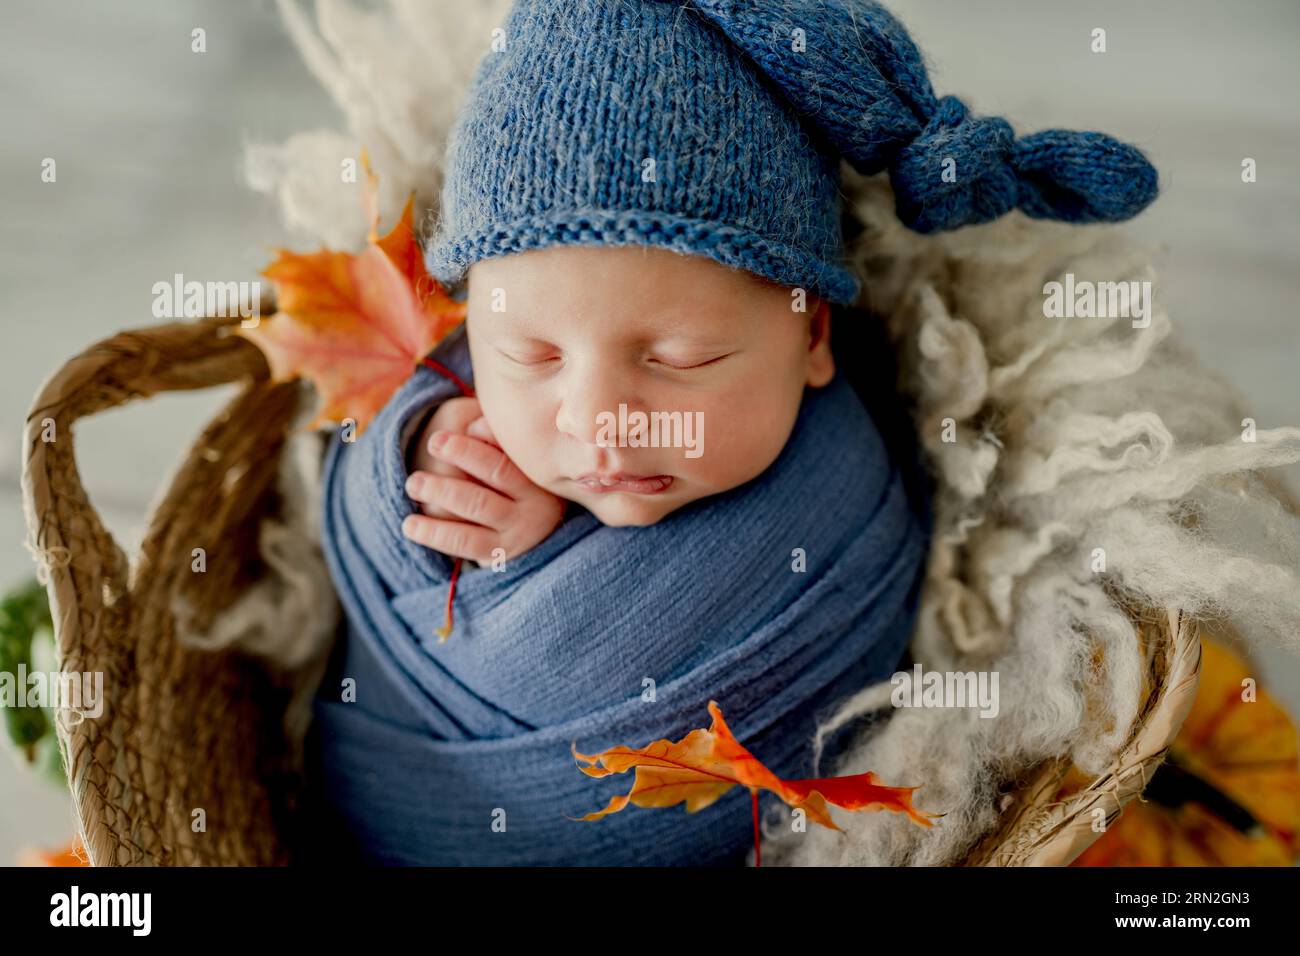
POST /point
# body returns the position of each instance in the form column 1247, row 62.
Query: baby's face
column 560, row 337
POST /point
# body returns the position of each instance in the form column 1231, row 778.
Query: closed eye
column 527, row 361
column 682, row 368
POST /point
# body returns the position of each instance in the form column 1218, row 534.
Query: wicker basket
column 186, row 730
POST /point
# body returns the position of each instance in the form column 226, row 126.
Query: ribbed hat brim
column 732, row 247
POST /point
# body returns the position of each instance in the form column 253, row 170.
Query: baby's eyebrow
column 703, row 342
column 673, row 323
column 518, row 322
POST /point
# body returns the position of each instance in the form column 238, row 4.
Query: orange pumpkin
column 1228, row 793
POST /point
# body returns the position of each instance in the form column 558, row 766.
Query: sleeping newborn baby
column 588, row 337
column 645, row 201
column 622, row 588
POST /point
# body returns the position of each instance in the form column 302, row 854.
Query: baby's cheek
column 737, row 442
column 531, row 448
column 511, row 430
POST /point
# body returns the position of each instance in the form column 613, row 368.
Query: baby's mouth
column 622, row 481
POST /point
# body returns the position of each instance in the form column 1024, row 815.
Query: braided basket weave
column 185, row 729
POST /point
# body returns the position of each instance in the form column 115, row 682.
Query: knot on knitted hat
column 961, row 170
column 854, row 74
column 957, row 171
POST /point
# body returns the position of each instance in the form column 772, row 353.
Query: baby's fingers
column 456, row 538
column 480, row 460
column 460, row 497
column 479, row 428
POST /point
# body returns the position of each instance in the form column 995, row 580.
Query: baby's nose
column 593, row 416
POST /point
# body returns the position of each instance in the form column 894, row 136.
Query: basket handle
column 84, row 568
column 89, row 579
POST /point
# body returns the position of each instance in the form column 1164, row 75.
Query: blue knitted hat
column 716, row 127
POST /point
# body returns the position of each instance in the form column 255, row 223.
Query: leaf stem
column 443, row 370
column 445, row 631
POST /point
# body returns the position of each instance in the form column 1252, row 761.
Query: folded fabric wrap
column 459, row 752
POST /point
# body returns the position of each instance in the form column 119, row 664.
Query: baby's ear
column 821, row 363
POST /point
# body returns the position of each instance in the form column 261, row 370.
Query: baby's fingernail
column 412, row 484
column 408, row 525
column 438, row 439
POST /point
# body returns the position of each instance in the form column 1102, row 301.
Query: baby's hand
column 474, row 498
column 454, row 415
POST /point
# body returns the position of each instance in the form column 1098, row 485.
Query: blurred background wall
column 148, row 139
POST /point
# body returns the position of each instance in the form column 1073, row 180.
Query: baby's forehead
column 623, row 291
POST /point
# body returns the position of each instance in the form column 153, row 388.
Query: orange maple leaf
column 355, row 325
column 705, row 764
column 72, row 854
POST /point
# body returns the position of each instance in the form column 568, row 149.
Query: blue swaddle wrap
column 445, row 739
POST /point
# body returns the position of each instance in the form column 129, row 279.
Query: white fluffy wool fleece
column 398, row 71
column 1071, row 435
column 1096, row 467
